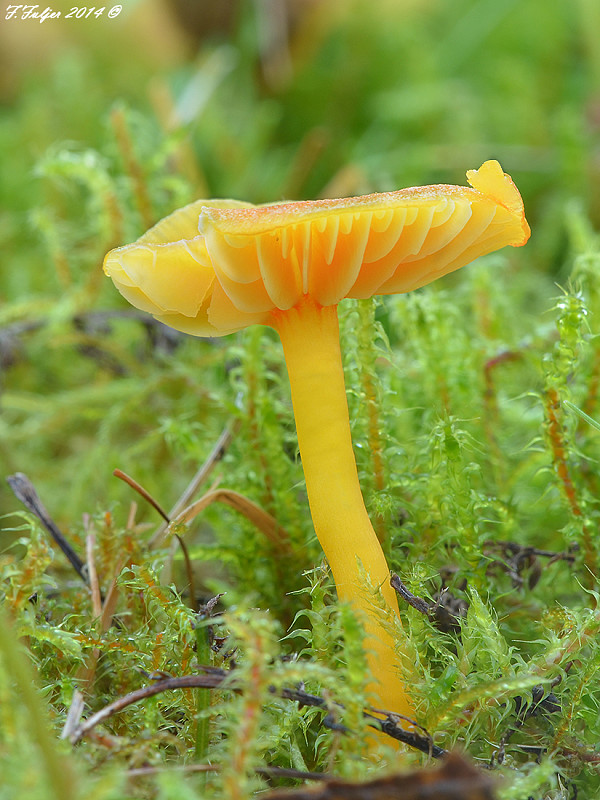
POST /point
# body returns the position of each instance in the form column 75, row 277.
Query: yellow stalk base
column 310, row 338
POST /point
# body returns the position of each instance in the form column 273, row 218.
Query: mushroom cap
column 216, row 266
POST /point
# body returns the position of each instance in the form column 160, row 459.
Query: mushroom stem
column 310, row 337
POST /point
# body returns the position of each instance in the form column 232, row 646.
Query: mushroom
column 214, row 267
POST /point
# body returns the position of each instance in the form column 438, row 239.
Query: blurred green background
column 108, row 124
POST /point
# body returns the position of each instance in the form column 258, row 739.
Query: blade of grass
column 582, row 414
column 59, row 777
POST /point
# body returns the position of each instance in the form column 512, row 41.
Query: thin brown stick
column 26, row 493
column 205, row 470
column 416, row 602
column 142, row 492
column 73, row 715
column 86, row 673
column 268, row 772
column 155, row 504
column 199, row 478
column 207, row 681
column 103, row 611
column 130, row 524
column 90, row 543
column 277, row 535
column 214, row 678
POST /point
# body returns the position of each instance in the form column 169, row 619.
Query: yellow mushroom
column 216, row 266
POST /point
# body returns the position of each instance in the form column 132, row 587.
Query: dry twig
column 26, row 493
column 214, row 678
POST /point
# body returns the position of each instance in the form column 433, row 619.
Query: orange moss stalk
column 556, row 437
column 244, row 736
